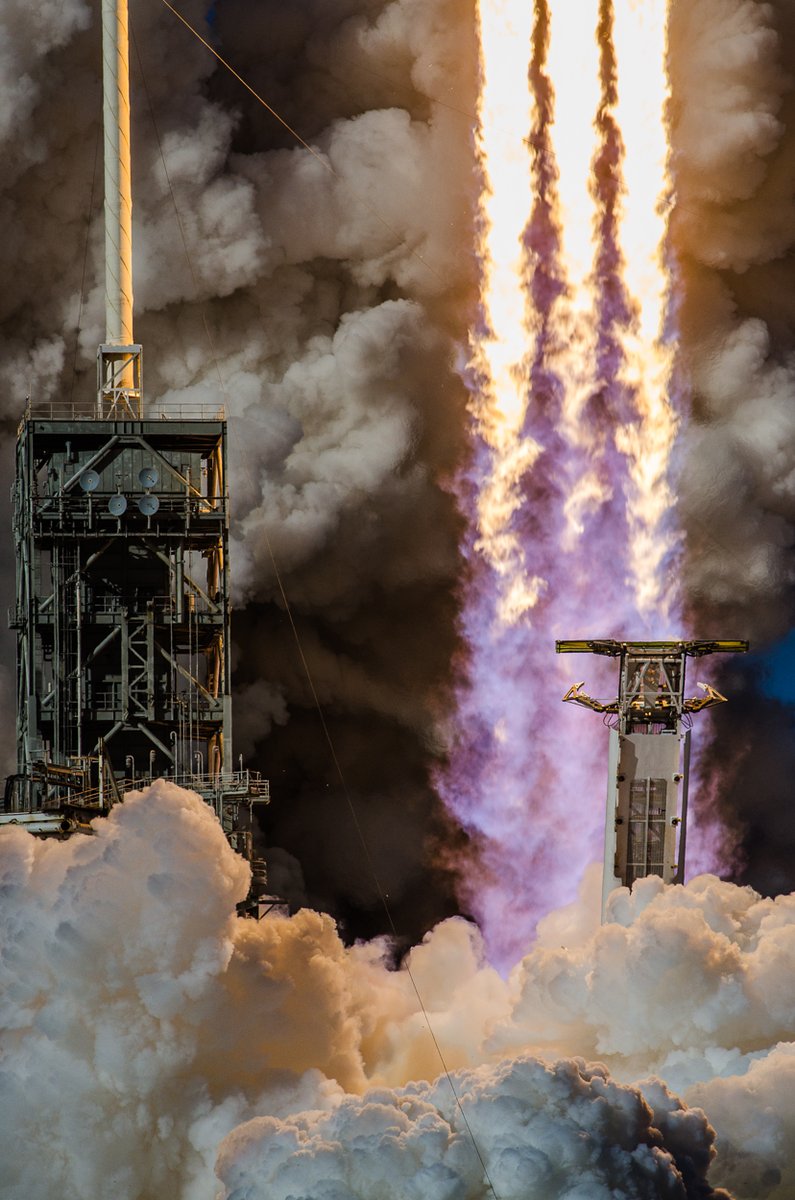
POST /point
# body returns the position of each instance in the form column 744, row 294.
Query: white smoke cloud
column 144, row 1022
column 553, row 1131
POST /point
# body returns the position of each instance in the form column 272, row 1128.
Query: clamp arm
column 577, row 697
column 711, row 696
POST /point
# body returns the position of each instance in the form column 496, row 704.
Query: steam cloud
column 336, row 304
column 731, row 68
column 733, row 228
column 145, row 1024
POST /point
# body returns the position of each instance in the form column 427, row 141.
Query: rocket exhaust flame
column 639, row 34
column 566, row 494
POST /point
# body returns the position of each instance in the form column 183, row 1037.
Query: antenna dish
column 148, row 477
column 89, row 481
column 117, row 505
column 148, row 505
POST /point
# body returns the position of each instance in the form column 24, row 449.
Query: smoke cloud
column 326, row 305
column 151, row 1032
column 733, row 226
column 732, row 230
column 320, row 296
column 546, row 1130
column 144, row 1023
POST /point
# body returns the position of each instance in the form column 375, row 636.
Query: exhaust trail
column 640, row 41
column 566, row 493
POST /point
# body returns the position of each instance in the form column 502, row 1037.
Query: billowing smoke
column 319, row 297
column 544, row 1130
column 733, row 227
column 149, row 1032
column 144, row 1023
column 326, row 306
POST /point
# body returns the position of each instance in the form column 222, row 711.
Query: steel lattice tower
column 122, row 612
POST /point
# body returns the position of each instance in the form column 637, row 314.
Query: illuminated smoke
column 567, row 493
column 144, row 1023
column 733, row 230
column 545, row 1130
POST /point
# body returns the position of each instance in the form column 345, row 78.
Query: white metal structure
column 648, row 765
column 119, row 358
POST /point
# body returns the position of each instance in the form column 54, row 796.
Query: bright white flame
column 500, row 355
column 640, row 45
column 573, row 66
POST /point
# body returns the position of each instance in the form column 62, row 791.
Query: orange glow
column 502, row 352
column 500, row 355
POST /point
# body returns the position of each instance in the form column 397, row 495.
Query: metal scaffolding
column 122, row 613
column 122, row 618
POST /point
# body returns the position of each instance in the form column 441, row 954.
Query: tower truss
column 122, row 618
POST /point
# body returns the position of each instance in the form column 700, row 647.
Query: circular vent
column 89, row 481
column 148, row 505
column 148, row 477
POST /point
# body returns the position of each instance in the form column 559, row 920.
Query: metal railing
column 58, row 410
column 170, row 503
column 111, row 698
column 226, row 783
column 162, row 606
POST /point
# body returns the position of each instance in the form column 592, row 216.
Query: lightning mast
column 122, row 613
column 119, row 359
column 649, row 756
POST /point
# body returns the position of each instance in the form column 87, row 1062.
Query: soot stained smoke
column 130, row 987
column 733, row 227
column 334, row 287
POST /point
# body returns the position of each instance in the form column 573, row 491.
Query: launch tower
column 649, row 756
column 122, row 612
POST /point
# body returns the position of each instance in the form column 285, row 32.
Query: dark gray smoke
column 323, row 299
column 733, row 135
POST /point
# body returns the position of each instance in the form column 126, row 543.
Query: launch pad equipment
column 649, row 755
column 122, row 611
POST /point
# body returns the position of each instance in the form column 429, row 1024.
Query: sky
column 340, row 305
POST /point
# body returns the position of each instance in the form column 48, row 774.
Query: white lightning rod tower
column 119, row 358
column 648, row 765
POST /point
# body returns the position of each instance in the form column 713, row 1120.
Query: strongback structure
column 122, row 613
column 648, row 766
